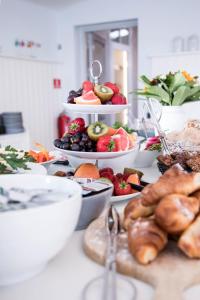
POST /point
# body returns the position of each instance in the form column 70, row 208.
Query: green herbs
column 12, row 160
column 171, row 89
column 118, row 125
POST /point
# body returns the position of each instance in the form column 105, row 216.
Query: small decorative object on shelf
column 178, row 44
column 193, row 43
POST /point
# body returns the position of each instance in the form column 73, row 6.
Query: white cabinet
column 189, row 61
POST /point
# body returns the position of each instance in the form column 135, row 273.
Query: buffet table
column 65, row 277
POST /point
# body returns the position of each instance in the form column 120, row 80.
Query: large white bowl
column 30, row 238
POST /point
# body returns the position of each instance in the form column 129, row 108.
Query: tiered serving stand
column 94, row 111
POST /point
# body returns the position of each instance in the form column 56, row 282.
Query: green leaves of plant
column 172, row 89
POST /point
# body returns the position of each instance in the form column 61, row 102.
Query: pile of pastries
column 188, row 160
column 167, row 209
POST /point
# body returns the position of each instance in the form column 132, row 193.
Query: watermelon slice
column 125, row 140
column 88, row 98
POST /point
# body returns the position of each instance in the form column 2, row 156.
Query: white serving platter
column 95, row 109
column 96, row 155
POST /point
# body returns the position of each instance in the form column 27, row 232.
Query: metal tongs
column 110, row 280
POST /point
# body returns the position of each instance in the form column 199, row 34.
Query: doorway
column 115, row 46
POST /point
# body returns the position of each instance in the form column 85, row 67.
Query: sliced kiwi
column 96, row 130
column 103, row 92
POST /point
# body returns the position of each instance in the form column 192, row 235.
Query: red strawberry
column 106, row 144
column 119, row 99
column 126, row 176
column 75, row 126
column 107, row 175
column 108, row 170
column 113, row 87
column 122, row 188
column 119, row 176
column 87, row 86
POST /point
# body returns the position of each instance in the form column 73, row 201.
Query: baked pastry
column 146, row 240
column 174, row 181
column 175, row 212
column 135, row 210
column 189, row 241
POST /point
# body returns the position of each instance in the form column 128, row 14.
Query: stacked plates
column 2, row 129
column 13, row 122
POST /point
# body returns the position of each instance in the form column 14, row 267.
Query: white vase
column 192, row 110
column 172, row 118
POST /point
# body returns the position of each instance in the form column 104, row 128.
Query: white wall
column 159, row 21
column 26, row 21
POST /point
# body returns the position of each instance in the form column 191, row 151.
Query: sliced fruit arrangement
column 97, row 137
column 40, row 156
column 121, row 181
column 97, row 94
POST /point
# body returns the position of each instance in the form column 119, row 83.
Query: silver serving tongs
column 112, row 227
column 161, row 134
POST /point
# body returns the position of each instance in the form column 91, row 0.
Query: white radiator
column 27, row 86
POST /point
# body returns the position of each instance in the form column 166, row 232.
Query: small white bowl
column 145, row 158
column 29, row 238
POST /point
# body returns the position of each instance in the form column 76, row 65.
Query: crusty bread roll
column 175, row 212
column 174, row 181
column 146, row 240
column 135, row 210
column 189, row 241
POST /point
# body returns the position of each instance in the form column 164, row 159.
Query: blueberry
column 66, row 146
column 72, row 93
column 57, row 143
column 75, row 147
column 65, row 139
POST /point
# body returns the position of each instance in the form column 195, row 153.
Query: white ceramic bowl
column 29, row 238
column 145, row 158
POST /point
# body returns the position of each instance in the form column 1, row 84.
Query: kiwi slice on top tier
column 103, row 92
column 96, row 130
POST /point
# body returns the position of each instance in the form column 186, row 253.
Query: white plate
column 124, row 197
column 95, row 109
column 96, row 155
column 55, row 154
column 34, row 169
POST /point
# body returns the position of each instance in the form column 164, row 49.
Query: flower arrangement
column 172, row 88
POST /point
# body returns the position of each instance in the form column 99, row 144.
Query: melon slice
column 89, row 99
column 125, row 142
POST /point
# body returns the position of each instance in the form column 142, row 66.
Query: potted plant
column 172, row 91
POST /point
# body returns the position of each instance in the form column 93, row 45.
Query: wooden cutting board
column 171, row 273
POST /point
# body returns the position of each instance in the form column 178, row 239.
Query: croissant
column 189, row 242
column 174, row 213
column 146, row 240
column 171, row 183
column 135, row 210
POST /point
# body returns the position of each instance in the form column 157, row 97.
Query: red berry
column 122, row 188
column 76, row 125
column 119, row 99
column 108, row 170
column 106, row 144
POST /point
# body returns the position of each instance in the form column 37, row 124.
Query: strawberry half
column 106, row 144
column 87, row 86
column 119, row 99
column 75, row 126
column 113, row 87
column 122, row 188
column 107, row 170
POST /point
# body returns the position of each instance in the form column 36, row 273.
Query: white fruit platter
column 124, row 197
column 98, row 155
column 95, row 109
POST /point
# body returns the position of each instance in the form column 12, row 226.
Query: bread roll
column 146, row 240
column 175, row 212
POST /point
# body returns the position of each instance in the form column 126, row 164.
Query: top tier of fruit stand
column 95, row 109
